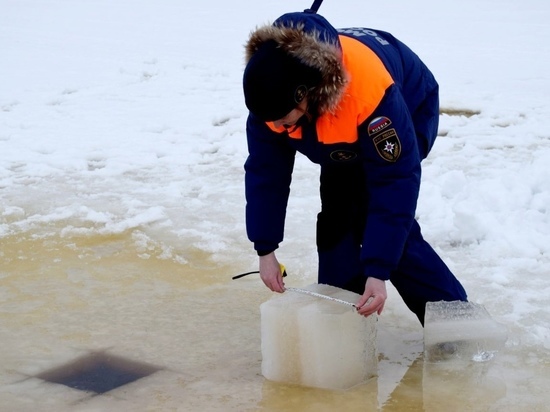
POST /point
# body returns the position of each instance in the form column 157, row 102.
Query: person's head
column 291, row 64
column 275, row 82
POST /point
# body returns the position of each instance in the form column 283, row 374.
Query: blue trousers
column 420, row 276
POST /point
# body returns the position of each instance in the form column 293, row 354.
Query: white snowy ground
column 127, row 116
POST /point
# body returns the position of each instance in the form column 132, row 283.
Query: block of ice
column 461, row 330
column 315, row 342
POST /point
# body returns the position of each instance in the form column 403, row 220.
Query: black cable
column 250, row 273
column 245, row 274
column 314, row 7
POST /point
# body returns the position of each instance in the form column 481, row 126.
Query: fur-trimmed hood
column 310, row 38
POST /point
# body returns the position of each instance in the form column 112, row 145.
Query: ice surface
column 122, row 133
column 316, row 342
column 461, row 330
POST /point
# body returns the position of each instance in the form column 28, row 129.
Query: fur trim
column 326, row 57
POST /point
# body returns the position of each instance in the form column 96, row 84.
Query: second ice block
column 461, row 330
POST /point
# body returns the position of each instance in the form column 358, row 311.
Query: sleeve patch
column 388, row 145
column 378, row 124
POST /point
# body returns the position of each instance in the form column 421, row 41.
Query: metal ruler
column 318, row 295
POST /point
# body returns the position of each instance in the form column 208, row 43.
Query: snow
column 127, row 116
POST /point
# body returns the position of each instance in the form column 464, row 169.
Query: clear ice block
column 315, row 342
column 461, row 330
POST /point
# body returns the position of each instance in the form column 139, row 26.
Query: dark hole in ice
column 98, row 372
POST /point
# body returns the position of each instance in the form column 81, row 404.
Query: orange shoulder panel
column 368, row 82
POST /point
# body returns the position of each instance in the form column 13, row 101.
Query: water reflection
column 424, row 387
column 472, row 386
column 449, row 386
column 281, row 397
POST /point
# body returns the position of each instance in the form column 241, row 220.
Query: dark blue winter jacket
column 385, row 117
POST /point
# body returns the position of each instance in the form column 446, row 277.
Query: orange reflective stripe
column 369, row 80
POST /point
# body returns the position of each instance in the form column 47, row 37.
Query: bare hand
column 375, row 290
column 270, row 272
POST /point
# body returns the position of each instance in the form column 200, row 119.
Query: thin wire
column 245, row 274
column 250, row 273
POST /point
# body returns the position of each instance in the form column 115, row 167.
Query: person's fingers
column 374, row 304
column 278, row 285
column 362, row 301
column 274, row 282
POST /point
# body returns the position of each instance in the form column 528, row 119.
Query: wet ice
column 131, row 126
column 461, row 330
column 315, row 342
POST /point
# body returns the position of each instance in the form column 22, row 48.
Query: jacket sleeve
column 268, row 174
column 392, row 185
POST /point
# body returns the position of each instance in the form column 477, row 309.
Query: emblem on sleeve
column 378, row 124
column 388, row 145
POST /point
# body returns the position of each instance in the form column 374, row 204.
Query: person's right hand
column 373, row 299
column 270, row 272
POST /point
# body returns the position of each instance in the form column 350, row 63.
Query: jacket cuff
column 378, row 272
column 264, row 252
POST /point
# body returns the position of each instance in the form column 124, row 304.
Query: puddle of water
column 458, row 112
column 64, row 298
column 98, row 372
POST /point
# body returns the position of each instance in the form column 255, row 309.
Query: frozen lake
column 122, row 145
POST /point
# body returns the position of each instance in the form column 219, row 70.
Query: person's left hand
column 375, row 290
column 270, row 272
